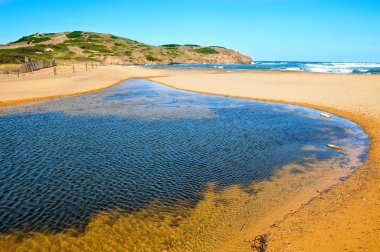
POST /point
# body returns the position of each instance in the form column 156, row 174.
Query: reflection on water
column 149, row 162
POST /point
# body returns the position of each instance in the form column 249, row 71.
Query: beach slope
column 343, row 218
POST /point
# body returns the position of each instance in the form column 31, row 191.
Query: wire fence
column 25, row 68
column 37, row 65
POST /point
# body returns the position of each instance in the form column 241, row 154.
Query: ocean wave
column 343, row 65
column 352, row 64
column 329, row 70
column 318, row 67
column 271, row 63
column 292, row 69
column 374, row 71
column 344, row 68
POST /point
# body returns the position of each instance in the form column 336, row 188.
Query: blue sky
column 308, row 30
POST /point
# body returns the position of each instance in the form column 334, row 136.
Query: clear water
column 318, row 67
column 64, row 160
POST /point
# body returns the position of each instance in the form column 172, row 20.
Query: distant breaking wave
column 343, row 67
column 316, row 67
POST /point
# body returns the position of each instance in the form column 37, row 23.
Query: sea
column 317, row 67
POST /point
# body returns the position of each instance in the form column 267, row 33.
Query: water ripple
column 140, row 144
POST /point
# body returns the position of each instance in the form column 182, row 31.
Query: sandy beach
column 343, row 218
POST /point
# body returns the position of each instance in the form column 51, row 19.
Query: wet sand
column 345, row 217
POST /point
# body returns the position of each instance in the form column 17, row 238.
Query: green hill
column 107, row 48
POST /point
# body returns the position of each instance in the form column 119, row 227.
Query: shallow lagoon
column 146, row 150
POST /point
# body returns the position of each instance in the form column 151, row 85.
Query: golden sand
column 227, row 215
column 347, row 217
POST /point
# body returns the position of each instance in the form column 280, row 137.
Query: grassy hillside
column 90, row 46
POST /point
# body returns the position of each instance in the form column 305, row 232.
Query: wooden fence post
column 55, row 70
column 34, row 66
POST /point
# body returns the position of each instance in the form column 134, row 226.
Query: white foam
column 292, row 69
column 273, row 63
column 343, row 65
column 339, row 67
column 328, row 70
column 352, row 64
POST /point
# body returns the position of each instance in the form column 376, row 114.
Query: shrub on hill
column 171, row 45
column 206, row 50
column 151, row 58
column 74, row 34
column 33, row 39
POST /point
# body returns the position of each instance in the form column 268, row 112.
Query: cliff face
column 107, row 48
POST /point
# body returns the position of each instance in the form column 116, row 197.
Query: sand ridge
column 345, row 217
